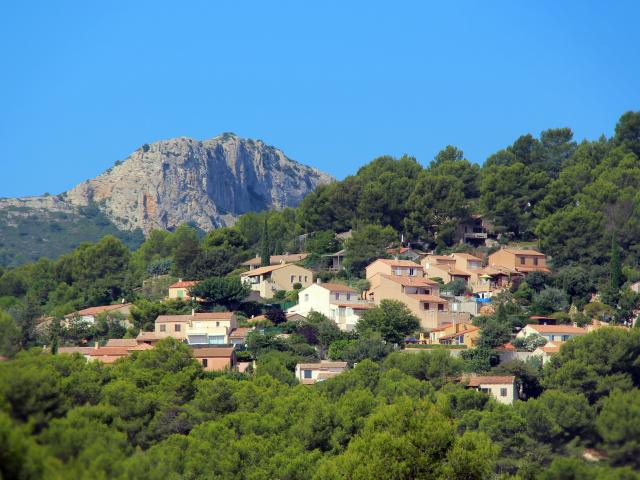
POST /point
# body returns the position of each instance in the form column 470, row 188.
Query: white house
column 502, row 388
column 310, row 373
column 212, row 328
column 552, row 333
column 545, row 352
column 338, row 302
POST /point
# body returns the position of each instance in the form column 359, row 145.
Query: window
column 348, row 296
column 307, row 373
column 336, row 296
column 216, row 340
column 205, row 362
column 412, row 272
column 535, row 261
column 484, row 390
column 428, row 292
column 306, row 297
column 565, row 338
column 522, row 260
column 425, row 306
column 503, row 392
column 292, row 278
column 163, row 328
column 299, row 278
column 440, row 307
column 305, row 278
column 177, row 327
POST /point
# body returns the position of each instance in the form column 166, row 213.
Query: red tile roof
column 410, row 281
column 557, row 329
column 476, row 381
column 427, row 298
column 322, row 365
column 523, row 252
column 184, row 284
column 398, row 263
column 463, row 332
column 213, row 352
column 122, row 342
column 104, row 308
column 275, row 259
column 337, row 287
column 240, row 332
column 262, row 270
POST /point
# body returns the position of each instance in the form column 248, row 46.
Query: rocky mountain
column 159, row 186
column 207, row 183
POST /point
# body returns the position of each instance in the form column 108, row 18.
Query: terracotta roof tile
column 337, row 287
column 101, row 309
column 184, row 284
column 410, row 281
column 476, row 381
column 213, row 352
column 557, row 329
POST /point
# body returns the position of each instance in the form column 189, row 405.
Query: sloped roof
column 557, row 329
column 213, row 315
column 184, row 284
column 323, row 364
column 463, row 332
column 213, row 352
column 262, row 270
column 122, row 342
column 337, row 287
column 398, row 263
column 174, row 318
column 527, row 269
column 468, row 256
column 81, row 350
column 476, row 381
column 100, row 309
column 410, row 281
column 240, row 332
column 517, row 251
column 427, row 298
column 148, row 336
column 275, row 259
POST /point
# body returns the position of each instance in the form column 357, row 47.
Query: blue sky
column 334, row 84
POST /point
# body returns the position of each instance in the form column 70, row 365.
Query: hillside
column 207, row 184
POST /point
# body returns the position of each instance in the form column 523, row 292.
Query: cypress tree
column 265, row 251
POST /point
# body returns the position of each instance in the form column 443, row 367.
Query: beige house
column 546, row 351
column 502, row 388
column 256, row 262
column 211, row 328
column 552, row 333
column 340, row 303
column 464, row 333
column 523, row 261
column 444, row 268
column 310, row 373
column 268, row 280
column 407, row 285
column 404, row 268
column 215, row 359
column 180, row 289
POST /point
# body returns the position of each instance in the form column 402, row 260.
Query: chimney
column 179, row 279
column 319, row 281
column 193, row 312
column 96, row 345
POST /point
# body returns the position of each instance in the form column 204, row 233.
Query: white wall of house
column 503, row 393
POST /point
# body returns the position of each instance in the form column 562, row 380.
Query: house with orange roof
column 464, row 333
column 545, row 352
column 112, row 354
column 443, row 267
column 89, row 315
column 198, row 328
column 311, row 373
column 269, row 280
column 501, row 387
column 180, row 289
column 400, row 280
column 256, row 262
column 552, row 333
column 215, row 359
column 522, row 261
column 337, row 301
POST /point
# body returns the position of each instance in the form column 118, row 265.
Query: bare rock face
column 207, row 183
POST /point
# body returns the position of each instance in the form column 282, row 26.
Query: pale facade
column 211, row 328
column 256, row 262
column 552, row 333
column 501, row 388
column 340, row 303
column 268, row 280
column 310, row 373
column 403, row 268
column 444, row 268
column 180, row 289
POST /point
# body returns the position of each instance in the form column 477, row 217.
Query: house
column 404, row 268
column 552, row 333
column 256, row 262
column 474, row 231
column 84, row 351
column 310, row 373
column 463, row 333
column 121, row 342
column 268, row 280
column 523, row 261
column 215, row 359
column 335, row 260
column 211, row 328
column 112, row 354
column 502, row 388
column 443, row 267
column 340, row 303
column 546, row 351
column 90, row 314
column 238, row 336
column 404, row 281
column 493, row 278
column 405, row 253
column 180, row 289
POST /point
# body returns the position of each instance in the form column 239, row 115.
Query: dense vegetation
column 397, row 414
column 27, row 234
column 157, row 415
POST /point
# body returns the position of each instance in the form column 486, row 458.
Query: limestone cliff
column 207, row 183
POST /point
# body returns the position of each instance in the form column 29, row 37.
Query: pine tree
column 615, row 266
column 265, row 251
